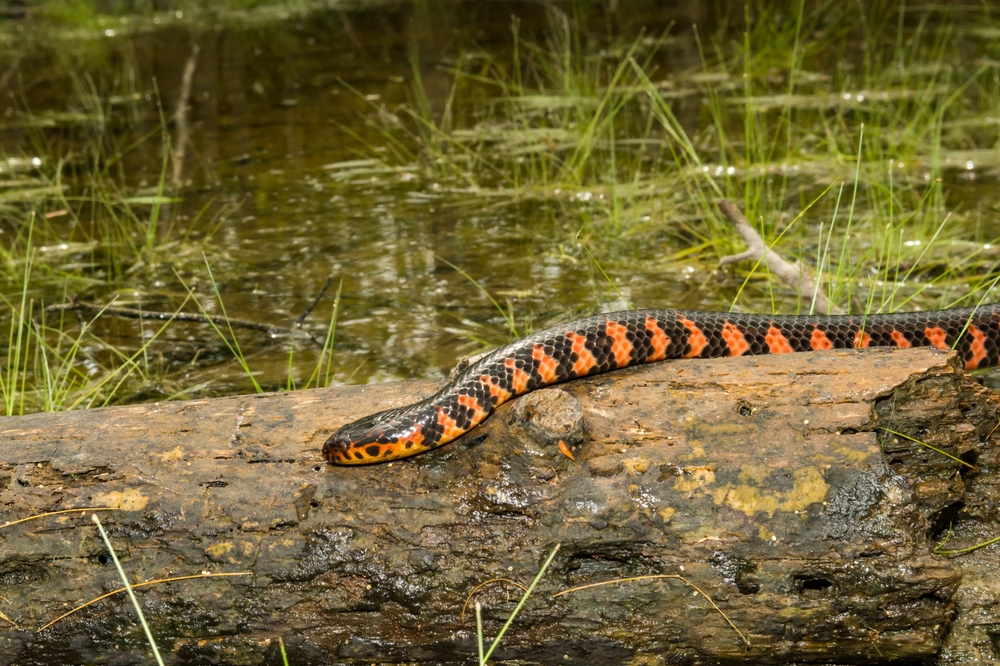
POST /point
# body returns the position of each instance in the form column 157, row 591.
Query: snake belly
column 620, row 339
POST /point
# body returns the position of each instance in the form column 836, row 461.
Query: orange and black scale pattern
column 620, row 339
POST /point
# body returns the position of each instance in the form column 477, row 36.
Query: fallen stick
column 194, row 317
column 794, row 275
column 131, row 313
column 181, row 117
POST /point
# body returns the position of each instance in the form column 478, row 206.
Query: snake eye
column 336, row 449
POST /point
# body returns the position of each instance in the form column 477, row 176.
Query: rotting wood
column 761, row 480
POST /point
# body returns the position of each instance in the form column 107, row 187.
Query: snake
column 615, row 340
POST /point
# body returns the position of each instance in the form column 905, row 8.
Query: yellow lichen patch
column 754, row 473
column 177, row 453
column 694, row 478
column 635, row 466
column 125, row 500
column 702, row 436
column 809, row 488
column 697, row 450
column 853, row 454
column 218, row 551
column 765, row 534
column 666, row 513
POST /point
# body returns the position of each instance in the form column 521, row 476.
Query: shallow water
column 295, row 159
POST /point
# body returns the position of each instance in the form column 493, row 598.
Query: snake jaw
column 357, row 443
column 346, row 447
column 388, row 435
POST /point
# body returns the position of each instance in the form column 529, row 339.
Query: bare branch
column 315, row 302
column 794, row 275
column 183, row 129
column 131, row 313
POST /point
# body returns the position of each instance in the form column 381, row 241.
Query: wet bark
column 770, row 483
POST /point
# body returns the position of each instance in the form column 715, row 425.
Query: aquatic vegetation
column 778, row 118
column 463, row 189
column 73, row 227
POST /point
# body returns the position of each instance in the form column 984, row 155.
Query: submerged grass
column 771, row 121
column 49, row 368
column 847, row 136
column 74, row 226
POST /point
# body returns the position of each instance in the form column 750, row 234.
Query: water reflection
column 272, row 132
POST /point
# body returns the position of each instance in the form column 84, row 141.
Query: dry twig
column 158, row 581
column 181, row 118
column 794, row 275
column 131, row 313
column 684, row 580
column 484, row 584
column 315, row 302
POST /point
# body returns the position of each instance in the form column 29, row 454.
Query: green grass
column 128, row 588
column 484, row 656
column 871, row 140
column 46, row 365
column 843, row 135
column 74, row 18
column 55, row 362
column 73, row 225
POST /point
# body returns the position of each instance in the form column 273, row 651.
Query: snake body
column 620, row 339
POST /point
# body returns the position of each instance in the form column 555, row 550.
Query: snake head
column 377, row 438
column 357, row 443
column 337, row 450
column 354, row 445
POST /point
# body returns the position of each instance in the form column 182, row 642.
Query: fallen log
column 773, row 484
